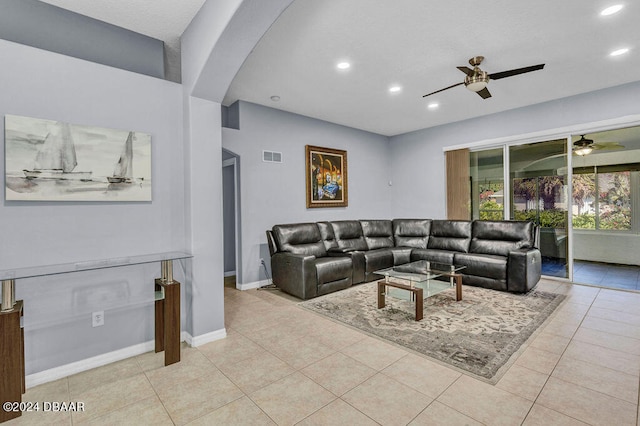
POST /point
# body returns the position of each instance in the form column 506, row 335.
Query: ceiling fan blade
column 607, row 146
column 442, row 90
column 511, row 73
column 468, row 71
column 484, row 93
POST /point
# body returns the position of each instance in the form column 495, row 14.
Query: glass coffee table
column 416, row 281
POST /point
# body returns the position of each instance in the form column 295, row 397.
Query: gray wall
column 416, row 159
column 37, row 83
column 274, row 193
column 52, row 28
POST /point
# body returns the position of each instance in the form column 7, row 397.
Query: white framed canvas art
column 48, row 160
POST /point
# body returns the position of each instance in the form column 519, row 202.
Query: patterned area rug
column 477, row 335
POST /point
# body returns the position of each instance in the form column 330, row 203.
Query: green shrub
column 554, row 218
column 584, row 221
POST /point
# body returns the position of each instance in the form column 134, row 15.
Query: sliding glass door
column 531, row 182
column 539, row 192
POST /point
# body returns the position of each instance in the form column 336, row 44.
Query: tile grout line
column 566, row 301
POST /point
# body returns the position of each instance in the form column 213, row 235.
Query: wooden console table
column 12, row 363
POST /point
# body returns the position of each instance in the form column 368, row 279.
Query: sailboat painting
column 49, row 160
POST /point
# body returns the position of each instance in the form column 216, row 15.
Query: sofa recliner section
column 311, row 259
column 301, row 264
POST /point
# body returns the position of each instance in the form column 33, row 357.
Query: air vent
column 271, row 157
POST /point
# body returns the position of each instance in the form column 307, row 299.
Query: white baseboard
column 229, row 274
column 204, row 338
column 252, row 285
column 66, row 370
column 87, row 364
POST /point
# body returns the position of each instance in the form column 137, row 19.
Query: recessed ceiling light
column 395, row 89
column 343, row 65
column 433, row 105
column 611, row 10
column 619, row 52
column 275, row 98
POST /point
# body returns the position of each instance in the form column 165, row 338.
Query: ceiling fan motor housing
column 477, row 81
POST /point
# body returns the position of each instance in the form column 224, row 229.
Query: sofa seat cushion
column 483, row 265
column 378, row 259
column 433, row 255
column 401, row 255
column 330, row 269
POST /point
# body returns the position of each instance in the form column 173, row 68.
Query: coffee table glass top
column 421, row 273
column 423, row 266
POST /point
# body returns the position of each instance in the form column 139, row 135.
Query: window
column 602, row 198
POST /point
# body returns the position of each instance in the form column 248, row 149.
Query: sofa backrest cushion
column 411, row 232
column 377, row 233
column 299, row 238
column 327, row 235
column 452, row 235
column 349, row 234
column 501, row 237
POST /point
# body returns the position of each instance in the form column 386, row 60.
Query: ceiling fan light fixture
column 583, row 146
column 583, row 151
column 477, row 81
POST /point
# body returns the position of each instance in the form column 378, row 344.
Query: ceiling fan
column 584, row 146
column 477, row 80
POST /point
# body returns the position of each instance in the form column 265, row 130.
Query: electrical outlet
column 261, row 261
column 97, row 319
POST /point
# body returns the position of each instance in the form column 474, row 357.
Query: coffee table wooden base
column 417, row 295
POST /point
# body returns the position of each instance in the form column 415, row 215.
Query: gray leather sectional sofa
column 312, row 259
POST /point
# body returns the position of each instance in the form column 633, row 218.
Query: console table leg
column 159, row 323
column 167, row 311
column 11, row 359
column 172, row 323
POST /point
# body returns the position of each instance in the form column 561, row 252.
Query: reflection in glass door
column 538, row 179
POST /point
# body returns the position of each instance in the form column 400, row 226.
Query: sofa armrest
column 295, row 274
column 524, row 268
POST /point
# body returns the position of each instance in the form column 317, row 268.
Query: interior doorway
column 230, row 216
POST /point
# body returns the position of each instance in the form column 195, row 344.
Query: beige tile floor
column 286, row 366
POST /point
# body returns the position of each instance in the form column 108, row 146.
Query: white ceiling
column 413, row 43
column 418, row 44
